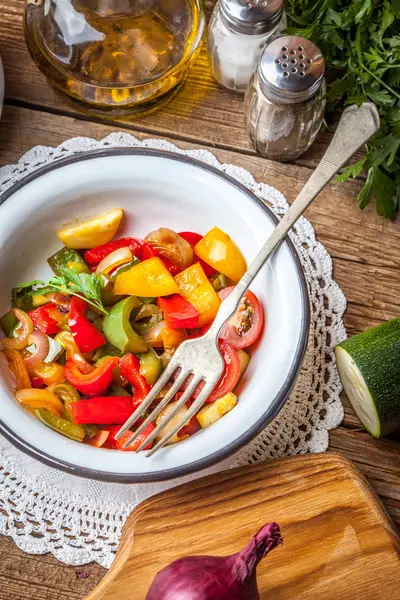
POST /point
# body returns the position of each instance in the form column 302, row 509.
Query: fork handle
column 355, row 128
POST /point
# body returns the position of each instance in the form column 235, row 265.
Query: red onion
column 42, row 347
column 216, row 577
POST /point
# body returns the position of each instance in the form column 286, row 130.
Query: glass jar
column 237, row 35
column 114, row 57
column 285, row 100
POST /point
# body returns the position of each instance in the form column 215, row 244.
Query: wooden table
column 365, row 248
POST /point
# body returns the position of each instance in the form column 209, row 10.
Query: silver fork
column 199, row 360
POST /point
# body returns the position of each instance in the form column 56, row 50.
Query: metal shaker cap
column 291, row 69
column 251, row 17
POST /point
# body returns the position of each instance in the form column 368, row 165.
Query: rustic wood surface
column 338, row 542
column 364, row 248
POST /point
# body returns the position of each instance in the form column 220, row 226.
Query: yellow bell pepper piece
column 195, row 287
column 214, row 411
column 40, row 399
column 92, row 233
column 220, row 252
column 149, row 278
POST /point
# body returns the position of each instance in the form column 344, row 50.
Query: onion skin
column 172, row 246
column 216, row 577
column 42, row 347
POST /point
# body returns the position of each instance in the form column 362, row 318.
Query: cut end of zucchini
column 357, row 392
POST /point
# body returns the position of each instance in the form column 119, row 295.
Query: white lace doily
column 78, row 520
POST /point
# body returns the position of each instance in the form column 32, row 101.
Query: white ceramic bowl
column 155, row 189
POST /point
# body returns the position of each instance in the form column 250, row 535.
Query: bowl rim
column 278, row 401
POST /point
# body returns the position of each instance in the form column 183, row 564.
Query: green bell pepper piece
column 107, row 290
column 123, row 268
column 117, row 390
column 8, row 322
column 148, row 317
column 118, row 330
column 106, row 351
column 67, row 258
column 66, row 428
column 219, row 282
column 22, row 299
column 150, row 366
column 90, row 430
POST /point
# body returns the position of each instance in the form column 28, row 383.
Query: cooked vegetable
column 107, row 350
column 66, row 428
column 172, row 338
column 244, row 360
column 118, row 329
column 41, row 346
column 218, row 250
column 95, row 232
column 150, row 366
column 85, row 334
column 164, row 415
column 231, row 373
column 179, row 313
column 66, row 340
column 50, row 373
column 65, row 259
column 120, row 442
column 216, row 577
column 22, row 298
column 196, row 288
column 193, row 239
column 43, row 320
column 219, row 282
column 211, row 413
column 103, row 410
column 150, row 252
column 94, row 256
column 8, row 322
column 39, row 300
column 147, row 318
column 130, row 370
column 68, row 395
column 172, row 246
column 95, row 383
column 20, row 341
column 245, row 327
column 154, row 337
column 40, row 399
column 115, row 259
column 108, row 297
column 18, row 368
column 148, row 278
column 117, row 390
column 99, row 439
column 369, row 369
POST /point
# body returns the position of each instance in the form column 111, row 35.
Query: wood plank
column 201, row 111
column 26, row 576
column 346, row 231
column 330, row 520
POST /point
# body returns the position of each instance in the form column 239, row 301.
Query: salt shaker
column 238, row 32
column 285, row 100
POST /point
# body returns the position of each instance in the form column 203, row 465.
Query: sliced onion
column 24, row 330
column 154, row 337
column 113, row 260
column 42, row 347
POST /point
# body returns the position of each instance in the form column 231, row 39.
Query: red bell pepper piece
column 178, row 312
column 94, row 256
column 102, row 410
column 114, row 444
column 130, row 370
column 85, row 334
column 38, row 383
column 43, row 321
column 192, row 238
column 149, row 252
column 95, row 383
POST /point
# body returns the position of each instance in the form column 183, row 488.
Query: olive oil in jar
column 114, row 57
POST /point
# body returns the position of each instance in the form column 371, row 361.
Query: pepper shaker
column 285, row 100
column 238, row 32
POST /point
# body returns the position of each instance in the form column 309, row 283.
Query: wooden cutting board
column 338, row 542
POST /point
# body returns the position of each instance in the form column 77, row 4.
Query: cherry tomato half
column 231, row 374
column 245, row 326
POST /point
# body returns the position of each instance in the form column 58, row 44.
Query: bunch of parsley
column 360, row 40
